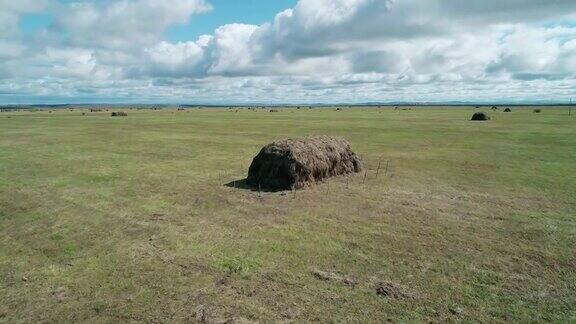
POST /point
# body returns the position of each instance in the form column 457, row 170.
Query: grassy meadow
column 131, row 219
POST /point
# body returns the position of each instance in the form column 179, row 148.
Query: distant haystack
column 274, row 110
column 537, row 111
column 507, row 110
column 494, row 108
column 480, row 116
column 295, row 163
column 119, row 114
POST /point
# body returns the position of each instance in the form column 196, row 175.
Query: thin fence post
column 387, row 165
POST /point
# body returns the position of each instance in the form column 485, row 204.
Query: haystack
column 507, row 110
column 274, row 110
column 537, row 111
column 295, row 163
column 480, row 116
column 119, row 114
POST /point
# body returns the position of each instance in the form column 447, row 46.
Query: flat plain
column 140, row 218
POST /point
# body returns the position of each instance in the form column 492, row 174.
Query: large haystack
column 480, row 116
column 295, row 163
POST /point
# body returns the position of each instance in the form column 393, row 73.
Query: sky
column 287, row 51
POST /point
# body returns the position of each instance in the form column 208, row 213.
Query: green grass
column 129, row 219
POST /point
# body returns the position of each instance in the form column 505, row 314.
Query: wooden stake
column 386, row 173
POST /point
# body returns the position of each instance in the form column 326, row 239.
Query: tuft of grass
column 237, row 265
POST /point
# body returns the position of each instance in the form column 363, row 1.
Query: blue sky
column 254, row 12
column 31, row 23
column 317, row 51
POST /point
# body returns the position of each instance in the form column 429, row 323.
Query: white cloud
column 10, row 50
column 123, row 24
column 175, row 60
column 320, row 50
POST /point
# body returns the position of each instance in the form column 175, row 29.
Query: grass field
column 130, row 219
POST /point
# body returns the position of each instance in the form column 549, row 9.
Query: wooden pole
column 387, row 165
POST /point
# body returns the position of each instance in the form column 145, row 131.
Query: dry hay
column 119, row 114
column 393, row 291
column 507, row 110
column 296, row 163
column 331, row 276
column 480, row 116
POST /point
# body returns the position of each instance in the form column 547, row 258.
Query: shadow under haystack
column 480, row 116
column 296, row 163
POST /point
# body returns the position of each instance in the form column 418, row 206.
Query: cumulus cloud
column 320, row 50
column 122, row 24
